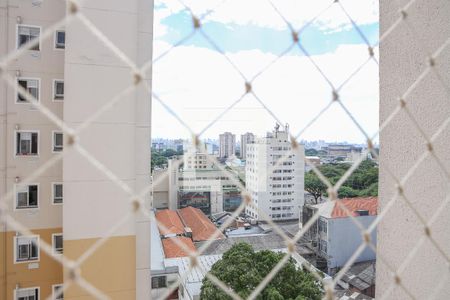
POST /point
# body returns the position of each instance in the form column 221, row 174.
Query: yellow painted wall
column 48, row 273
column 111, row 269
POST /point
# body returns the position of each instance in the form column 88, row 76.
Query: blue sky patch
column 234, row 38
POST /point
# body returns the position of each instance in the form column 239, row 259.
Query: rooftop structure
column 171, row 221
column 185, row 226
column 202, row 228
column 355, row 206
column 172, row 246
column 360, row 277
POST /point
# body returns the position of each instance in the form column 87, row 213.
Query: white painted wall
column 344, row 238
column 402, row 61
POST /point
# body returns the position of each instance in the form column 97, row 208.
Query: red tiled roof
column 202, row 228
column 353, row 205
column 172, row 249
column 171, row 221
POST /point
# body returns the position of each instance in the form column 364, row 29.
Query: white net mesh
column 295, row 31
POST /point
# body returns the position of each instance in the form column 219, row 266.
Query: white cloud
column 198, row 83
column 261, row 13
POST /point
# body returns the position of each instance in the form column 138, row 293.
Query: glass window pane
column 33, row 195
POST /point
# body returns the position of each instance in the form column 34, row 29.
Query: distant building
column 227, row 145
column 335, row 236
column 196, row 161
column 197, row 183
column 342, row 151
column 247, row 138
column 279, row 192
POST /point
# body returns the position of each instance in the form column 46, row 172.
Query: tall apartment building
column 72, row 201
column 246, row 138
column 277, row 190
column 227, row 145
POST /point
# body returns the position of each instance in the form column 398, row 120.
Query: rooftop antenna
column 277, row 127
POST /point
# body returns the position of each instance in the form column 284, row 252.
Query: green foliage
column 159, row 158
column 243, row 269
column 363, row 182
column 314, row 185
column 311, row 152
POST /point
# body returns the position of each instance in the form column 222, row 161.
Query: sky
column 200, row 78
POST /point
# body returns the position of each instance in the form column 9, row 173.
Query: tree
column 311, row 152
column 347, row 192
column 242, row 269
column 314, row 186
column 363, row 182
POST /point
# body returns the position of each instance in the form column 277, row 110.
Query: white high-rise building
column 246, row 138
column 227, row 145
column 277, row 190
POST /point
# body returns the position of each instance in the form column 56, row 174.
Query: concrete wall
column 344, row 238
column 119, row 139
column 402, row 61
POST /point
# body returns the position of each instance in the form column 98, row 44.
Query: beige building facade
column 72, row 201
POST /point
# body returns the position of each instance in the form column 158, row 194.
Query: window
column 26, row 196
column 31, row 85
column 57, row 243
column 57, row 193
column 57, row 141
column 323, row 245
column 27, row 294
column 57, row 292
column 58, row 89
column 26, row 248
column 60, row 39
column 26, row 143
column 323, row 225
column 27, row 33
column 159, row 282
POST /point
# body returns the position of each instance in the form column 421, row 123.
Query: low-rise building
column 194, row 181
column 335, row 236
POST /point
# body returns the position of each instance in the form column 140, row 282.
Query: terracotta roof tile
column 202, row 228
column 171, row 221
column 353, row 205
column 172, row 249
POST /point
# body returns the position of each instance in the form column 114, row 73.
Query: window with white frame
column 57, row 141
column 27, row 143
column 57, row 193
column 27, row 196
column 57, row 243
column 26, row 33
column 27, row 294
column 57, row 292
column 26, row 248
column 31, row 85
column 60, row 39
column 58, row 89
